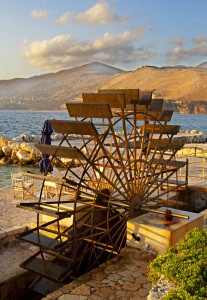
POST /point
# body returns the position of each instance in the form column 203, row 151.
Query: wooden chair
column 22, row 184
column 51, row 188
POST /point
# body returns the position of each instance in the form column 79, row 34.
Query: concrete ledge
column 7, row 236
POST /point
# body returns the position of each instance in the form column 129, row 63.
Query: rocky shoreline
column 21, row 150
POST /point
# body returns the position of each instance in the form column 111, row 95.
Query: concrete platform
column 153, row 229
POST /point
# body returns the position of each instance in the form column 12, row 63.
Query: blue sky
column 43, row 36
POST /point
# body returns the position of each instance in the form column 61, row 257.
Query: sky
column 44, row 36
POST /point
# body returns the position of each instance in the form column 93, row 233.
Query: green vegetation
column 185, row 265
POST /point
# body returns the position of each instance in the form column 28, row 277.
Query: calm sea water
column 13, row 123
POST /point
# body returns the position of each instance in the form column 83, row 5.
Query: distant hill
column 202, row 65
column 184, row 88
column 53, row 90
column 168, row 83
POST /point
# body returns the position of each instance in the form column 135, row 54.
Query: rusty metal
column 157, row 211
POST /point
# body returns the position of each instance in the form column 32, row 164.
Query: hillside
column 168, row 83
column 52, row 91
column 184, row 88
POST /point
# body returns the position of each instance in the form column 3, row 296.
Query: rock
column 67, row 161
column 24, row 137
column 23, row 156
column 16, row 146
column 34, row 138
column 3, row 141
column 17, row 139
column 7, row 150
column 56, row 137
column 5, row 161
column 162, row 287
column 1, row 152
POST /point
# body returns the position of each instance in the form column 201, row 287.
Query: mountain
column 184, row 88
column 202, row 65
column 169, row 83
column 53, row 90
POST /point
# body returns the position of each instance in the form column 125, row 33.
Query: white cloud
column 100, row 13
column 39, row 14
column 199, row 49
column 65, row 18
column 63, row 51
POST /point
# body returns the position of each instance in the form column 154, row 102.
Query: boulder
column 23, row 156
column 6, row 160
column 34, row 138
column 1, row 152
column 162, row 287
column 7, row 150
column 25, row 137
column 16, row 146
column 17, row 139
column 3, row 141
column 27, row 147
column 67, row 161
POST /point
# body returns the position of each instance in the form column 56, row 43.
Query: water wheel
column 122, row 162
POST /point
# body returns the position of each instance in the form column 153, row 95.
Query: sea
column 14, row 123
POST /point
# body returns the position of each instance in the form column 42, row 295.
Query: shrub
column 185, row 265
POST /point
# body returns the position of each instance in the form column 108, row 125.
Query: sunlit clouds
column 100, row 13
column 180, row 52
column 64, row 51
column 39, row 14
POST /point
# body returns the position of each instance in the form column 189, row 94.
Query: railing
column 197, row 162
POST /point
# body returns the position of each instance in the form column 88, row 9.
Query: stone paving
column 123, row 277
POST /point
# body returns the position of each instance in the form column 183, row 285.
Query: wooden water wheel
column 123, row 162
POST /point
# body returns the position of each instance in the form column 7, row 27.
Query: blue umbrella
column 45, row 165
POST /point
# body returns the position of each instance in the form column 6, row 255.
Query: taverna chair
column 22, row 185
column 51, row 188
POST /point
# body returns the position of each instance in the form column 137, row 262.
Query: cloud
column 199, row 49
column 39, row 14
column 178, row 41
column 64, row 51
column 100, row 13
column 65, row 18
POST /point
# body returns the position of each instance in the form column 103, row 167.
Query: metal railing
column 197, row 162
